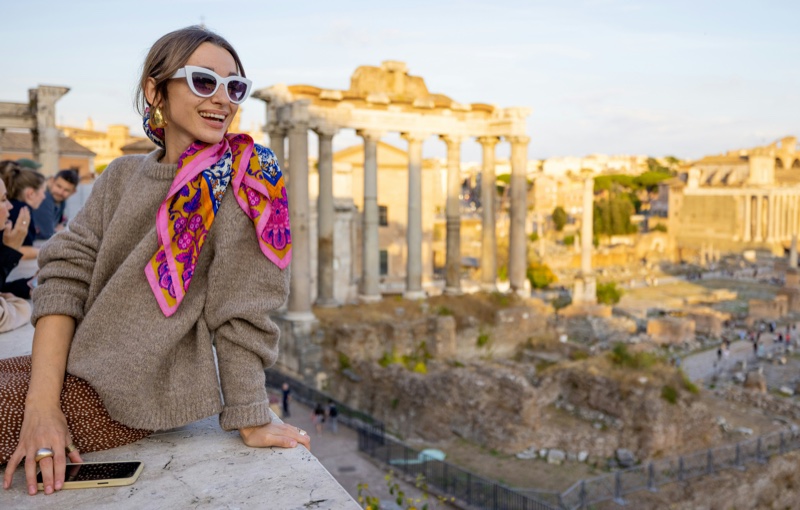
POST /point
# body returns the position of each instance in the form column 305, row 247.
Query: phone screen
column 97, row 471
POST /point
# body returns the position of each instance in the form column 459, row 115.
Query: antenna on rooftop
column 203, row 21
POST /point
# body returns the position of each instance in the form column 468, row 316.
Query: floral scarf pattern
column 205, row 172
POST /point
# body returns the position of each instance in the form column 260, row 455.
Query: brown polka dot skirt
column 90, row 426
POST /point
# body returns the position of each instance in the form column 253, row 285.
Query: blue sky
column 611, row 76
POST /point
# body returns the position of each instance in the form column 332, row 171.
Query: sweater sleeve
column 67, row 260
column 243, row 288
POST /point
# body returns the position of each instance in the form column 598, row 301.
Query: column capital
column 326, row 131
column 275, row 129
column 370, row 134
column 488, row 141
column 413, row 136
column 518, row 139
column 451, row 139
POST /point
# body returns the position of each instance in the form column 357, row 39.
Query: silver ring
column 43, row 453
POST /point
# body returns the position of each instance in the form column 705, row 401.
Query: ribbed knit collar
column 156, row 170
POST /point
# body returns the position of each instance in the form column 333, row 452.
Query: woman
column 14, row 311
column 114, row 307
column 26, row 188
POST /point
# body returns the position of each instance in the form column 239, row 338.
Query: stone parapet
column 197, row 466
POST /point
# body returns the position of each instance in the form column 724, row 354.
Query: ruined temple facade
column 745, row 199
column 383, row 99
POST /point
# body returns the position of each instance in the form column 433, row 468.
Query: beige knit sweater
column 154, row 372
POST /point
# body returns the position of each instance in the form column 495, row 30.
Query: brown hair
column 170, row 53
column 18, row 179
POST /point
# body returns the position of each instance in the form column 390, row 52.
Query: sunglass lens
column 237, row 90
column 204, row 83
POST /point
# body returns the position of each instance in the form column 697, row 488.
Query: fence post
column 445, row 478
column 494, row 495
column 709, row 462
column 469, row 488
column 759, row 454
column 738, row 461
column 783, row 444
column 618, row 499
column 680, row 469
column 651, row 478
column 581, row 495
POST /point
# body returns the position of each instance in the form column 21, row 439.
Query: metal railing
column 447, row 479
column 616, row 486
column 468, row 489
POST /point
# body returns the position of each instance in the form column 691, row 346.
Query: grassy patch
column 620, row 356
column 483, row 339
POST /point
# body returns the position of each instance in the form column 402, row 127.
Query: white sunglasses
column 205, row 82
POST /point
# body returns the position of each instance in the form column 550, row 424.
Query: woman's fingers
column 13, row 462
column 30, row 472
column 59, row 468
column 75, row 457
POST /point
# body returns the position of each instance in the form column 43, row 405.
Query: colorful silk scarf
column 186, row 215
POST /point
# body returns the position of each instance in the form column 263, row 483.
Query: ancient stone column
column 299, row 304
column 587, row 224
column 770, row 218
column 370, row 262
column 277, row 142
column 759, row 217
column 488, row 224
column 793, row 252
column 517, row 240
column 453, row 215
column 414, row 228
column 325, row 218
column 748, row 218
column 45, row 135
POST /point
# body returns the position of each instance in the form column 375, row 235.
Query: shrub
column 670, row 394
column 688, row 384
column 608, row 293
column 483, row 339
column 659, row 228
column 443, row 311
column 344, row 361
column 569, row 240
column 540, row 275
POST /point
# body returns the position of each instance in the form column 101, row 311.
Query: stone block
column 583, row 455
column 785, row 390
column 625, row 458
column 671, row 330
column 756, row 381
column 555, row 456
column 769, row 308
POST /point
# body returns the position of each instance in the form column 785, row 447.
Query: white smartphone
column 99, row 474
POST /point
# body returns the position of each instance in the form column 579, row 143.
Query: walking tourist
column 170, row 251
column 286, row 396
column 333, row 416
column 25, row 188
column 318, row 417
column 49, row 217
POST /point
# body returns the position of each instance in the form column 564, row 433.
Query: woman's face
column 34, row 196
column 5, row 205
column 191, row 117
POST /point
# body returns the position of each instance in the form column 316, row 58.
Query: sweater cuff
column 251, row 415
column 56, row 304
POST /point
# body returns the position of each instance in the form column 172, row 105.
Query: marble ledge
column 198, row 466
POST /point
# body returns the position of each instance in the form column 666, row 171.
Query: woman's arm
column 29, row 252
column 44, row 424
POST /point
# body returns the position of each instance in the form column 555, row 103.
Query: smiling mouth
column 213, row 116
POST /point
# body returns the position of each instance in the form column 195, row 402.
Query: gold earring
column 157, row 119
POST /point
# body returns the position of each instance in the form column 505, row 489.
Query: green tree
column 560, row 218
column 612, row 216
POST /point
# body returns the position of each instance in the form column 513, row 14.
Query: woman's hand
column 14, row 235
column 275, row 434
column 42, row 428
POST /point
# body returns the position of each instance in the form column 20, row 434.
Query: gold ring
column 43, row 453
column 71, row 448
column 303, row 432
